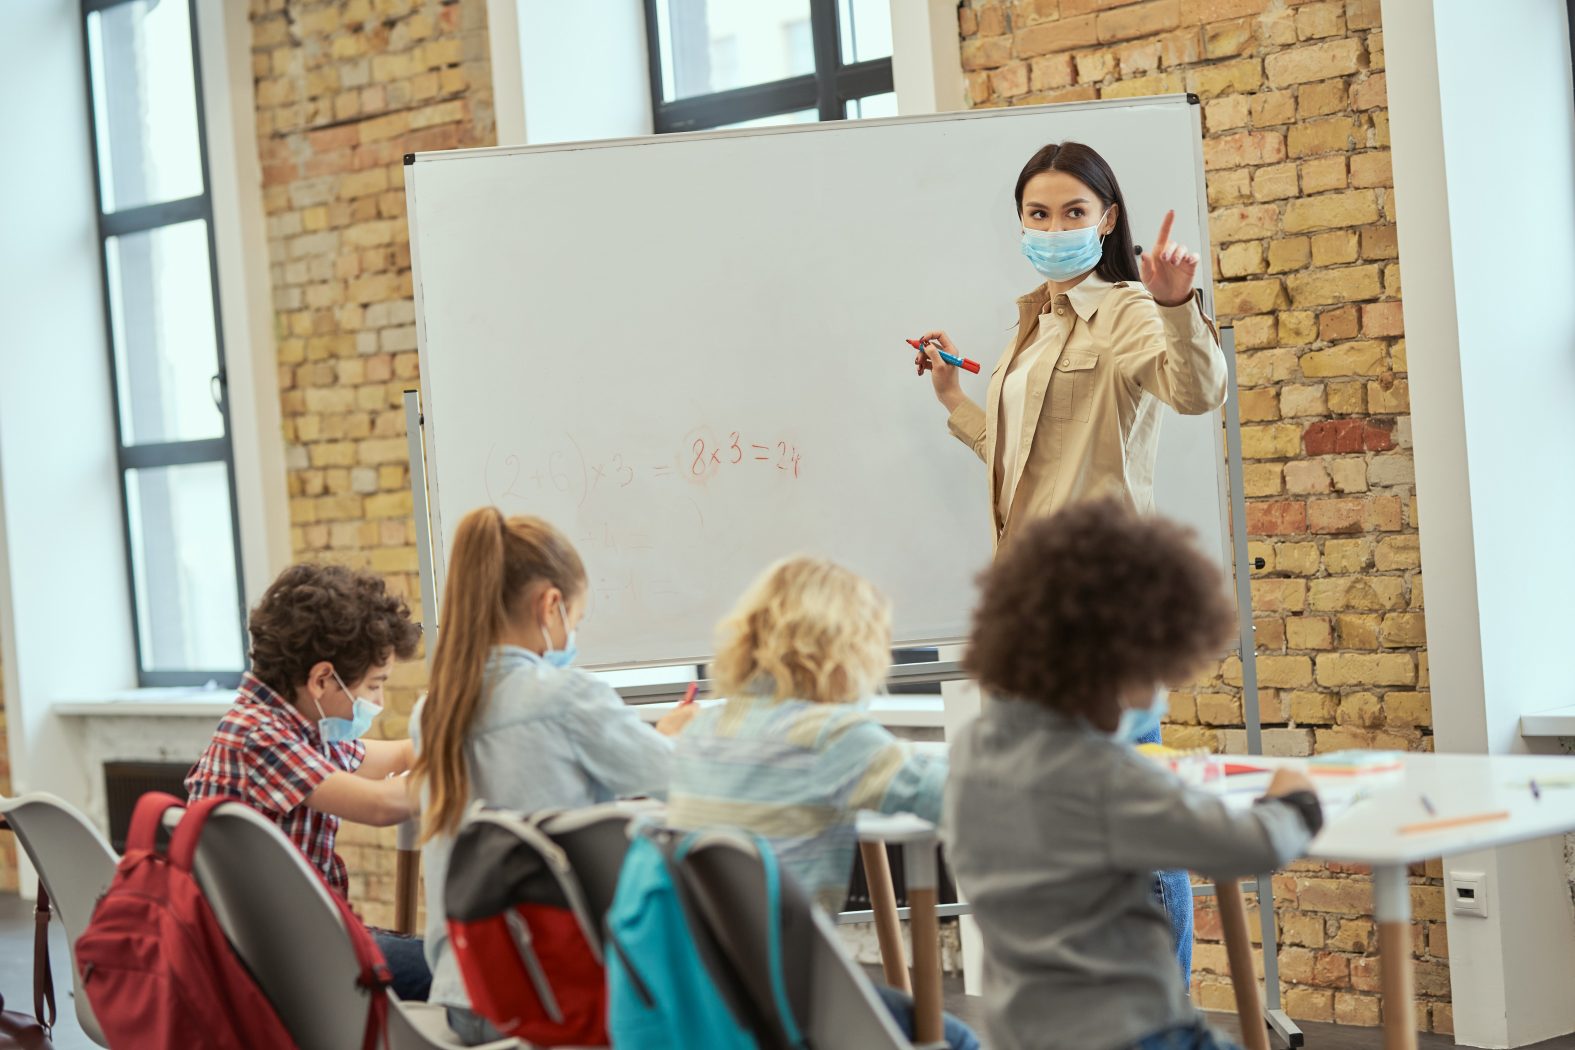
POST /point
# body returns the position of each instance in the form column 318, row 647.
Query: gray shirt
column 543, row 738
column 1054, row 832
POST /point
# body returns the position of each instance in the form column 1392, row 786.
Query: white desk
column 1369, row 831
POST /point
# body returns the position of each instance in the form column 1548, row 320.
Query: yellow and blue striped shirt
column 797, row 773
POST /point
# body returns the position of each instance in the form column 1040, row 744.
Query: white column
column 926, row 57
column 1483, row 132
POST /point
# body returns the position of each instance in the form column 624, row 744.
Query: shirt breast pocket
column 1072, row 385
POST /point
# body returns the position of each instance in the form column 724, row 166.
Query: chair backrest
column 281, row 920
column 595, row 839
column 832, row 999
column 76, row 864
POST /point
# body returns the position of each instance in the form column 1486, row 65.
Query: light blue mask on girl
column 1138, row 722
column 566, row 656
column 1060, row 255
column 344, row 730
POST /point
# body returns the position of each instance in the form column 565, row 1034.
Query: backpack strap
column 145, row 819
column 374, row 977
column 183, row 842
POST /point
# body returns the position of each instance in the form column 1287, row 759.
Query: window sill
column 186, row 702
column 1558, row 722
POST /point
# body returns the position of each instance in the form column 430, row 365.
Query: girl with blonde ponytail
column 508, row 719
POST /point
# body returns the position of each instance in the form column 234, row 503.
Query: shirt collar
column 254, row 690
column 1085, row 296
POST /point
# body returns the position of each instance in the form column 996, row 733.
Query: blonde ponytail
column 494, row 565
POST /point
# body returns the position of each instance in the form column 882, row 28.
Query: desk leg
column 919, row 866
column 407, row 873
column 1238, row 949
column 883, row 901
column 1392, row 909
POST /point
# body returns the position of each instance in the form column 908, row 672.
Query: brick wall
column 1302, row 217
column 344, row 90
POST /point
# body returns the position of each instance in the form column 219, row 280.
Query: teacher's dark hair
column 1119, row 261
column 1093, row 602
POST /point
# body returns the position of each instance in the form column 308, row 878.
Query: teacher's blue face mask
column 1060, row 255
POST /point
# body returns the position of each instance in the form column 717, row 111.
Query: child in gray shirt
column 1055, row 825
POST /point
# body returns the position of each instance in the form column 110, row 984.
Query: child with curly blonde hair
column 791, row 754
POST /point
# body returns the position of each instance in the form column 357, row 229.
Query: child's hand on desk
column 1287, row 781
column 673, row 723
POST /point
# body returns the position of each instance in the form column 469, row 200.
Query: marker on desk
column 1536, row 792
column 689, row 694
column 952, row 359
column 1427, row 804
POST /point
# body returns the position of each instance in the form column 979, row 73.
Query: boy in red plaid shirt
column 324, row 639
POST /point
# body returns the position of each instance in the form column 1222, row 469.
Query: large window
column 166, row 356
column 750, row 63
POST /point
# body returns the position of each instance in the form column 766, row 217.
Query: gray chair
column 594, row 839
column 75, row 863
column 279, row 916
column 832, row 1000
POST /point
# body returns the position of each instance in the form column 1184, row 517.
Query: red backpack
column 159, row 971
column 522, row 933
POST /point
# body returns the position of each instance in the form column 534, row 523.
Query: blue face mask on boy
column 1138, row 722
column 1060, row 255
column 344, row 730
column 560, row 657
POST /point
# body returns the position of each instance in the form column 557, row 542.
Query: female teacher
column 1073, row 406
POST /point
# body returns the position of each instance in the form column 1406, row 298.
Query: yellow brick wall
column 1302, row 215
column 344, row 90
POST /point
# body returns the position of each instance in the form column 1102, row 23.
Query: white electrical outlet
column 1468, row 893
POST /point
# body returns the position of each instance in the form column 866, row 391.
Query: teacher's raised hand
column 1168, row 268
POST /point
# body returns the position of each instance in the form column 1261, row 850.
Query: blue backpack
column 661, row 992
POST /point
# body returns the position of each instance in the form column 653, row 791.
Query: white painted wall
column 64, row 608
column 569, row 72
column 1484, row 159
column 245, row 296
column 926, row 58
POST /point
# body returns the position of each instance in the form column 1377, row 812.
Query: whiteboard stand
column 1279, row 1022
column 418, row 508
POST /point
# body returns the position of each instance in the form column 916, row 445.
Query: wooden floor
column 16, row 983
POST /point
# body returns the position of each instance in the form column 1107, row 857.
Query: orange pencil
column 1453, row 822
column 689, row 694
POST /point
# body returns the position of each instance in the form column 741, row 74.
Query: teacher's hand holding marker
column 1073, row 408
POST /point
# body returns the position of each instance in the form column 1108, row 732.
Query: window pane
column 183, row 561
column 717, row 45
column 161, row 310
column 144, row 103
column 803, row 116
column 871, row 106
column 866, row 30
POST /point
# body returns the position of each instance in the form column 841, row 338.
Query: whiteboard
column 687, row 351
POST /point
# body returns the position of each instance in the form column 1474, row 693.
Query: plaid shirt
column 265, row 754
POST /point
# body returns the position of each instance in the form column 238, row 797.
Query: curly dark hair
column 315, row 612
column 1092, row 602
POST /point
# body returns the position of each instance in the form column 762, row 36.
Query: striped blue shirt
column 797, row 773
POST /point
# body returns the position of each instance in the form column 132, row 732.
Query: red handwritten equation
column 569, row 471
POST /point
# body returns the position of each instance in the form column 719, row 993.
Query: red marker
column 689, row 694
column 951, row 359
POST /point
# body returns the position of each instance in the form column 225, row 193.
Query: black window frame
column 828, row 90
column 141, row 456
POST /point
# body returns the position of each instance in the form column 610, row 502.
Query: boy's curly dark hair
column 315, row 612
column 1094, row 601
